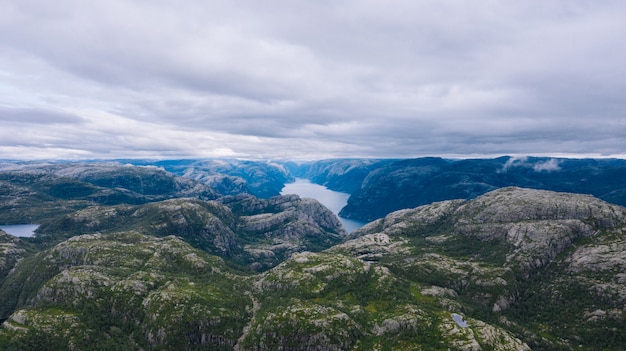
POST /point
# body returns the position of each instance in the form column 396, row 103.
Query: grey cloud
column 350, row 78
column 37, row 116
column 550, row 165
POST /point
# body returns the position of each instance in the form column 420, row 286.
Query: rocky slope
column 124, row 291
column 259, row 233
column 542, row 263
column 513, row 269
column 12, row 250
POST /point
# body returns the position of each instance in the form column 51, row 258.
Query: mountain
column 248, row 231
column 547, row 266
column 343, row 175
column 231, row 177
column 124, row 291
column 34, row 192
column 511, row 269
column 381, row 187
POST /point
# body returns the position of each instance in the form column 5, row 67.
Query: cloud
column 37, row 116
column 550, row 165
column 515, row 162
column 312, row 79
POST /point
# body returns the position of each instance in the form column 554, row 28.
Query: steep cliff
column 344, row 175
column 12, row 250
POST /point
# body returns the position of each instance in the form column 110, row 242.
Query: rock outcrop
column 12, row 249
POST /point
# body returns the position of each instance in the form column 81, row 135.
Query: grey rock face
column 11, row 251
column 537, row 224
column 517, row 204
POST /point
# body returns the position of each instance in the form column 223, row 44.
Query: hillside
column 512, row 269
column 379, row 187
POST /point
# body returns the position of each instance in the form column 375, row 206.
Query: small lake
column 22, row 230
column 334, row 200
column 459, row 320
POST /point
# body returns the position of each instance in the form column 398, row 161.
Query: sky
column 294, row 79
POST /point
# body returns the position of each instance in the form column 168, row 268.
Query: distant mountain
column 380, row 187
column 344, row 175
column 512, row 269
column 34, row 192
column 231, row 177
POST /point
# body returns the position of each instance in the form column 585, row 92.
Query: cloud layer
column 311, row 79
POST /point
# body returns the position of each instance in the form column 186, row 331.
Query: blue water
column 334, row 200
column 459, row 320
column 22, row 230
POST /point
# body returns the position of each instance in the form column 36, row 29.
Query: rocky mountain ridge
column 377, row 187
column 524, row 269
column 245, row 229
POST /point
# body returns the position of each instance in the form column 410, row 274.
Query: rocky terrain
column 12, row 250
column 256, row 233
column 511, row 269
column 124, row 291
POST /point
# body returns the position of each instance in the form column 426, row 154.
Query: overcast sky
column 311, row 79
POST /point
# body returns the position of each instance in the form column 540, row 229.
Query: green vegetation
column 526, row 270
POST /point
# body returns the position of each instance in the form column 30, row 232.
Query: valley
column 333, row 200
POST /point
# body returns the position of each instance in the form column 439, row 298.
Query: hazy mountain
column 344, row 175
column 231, row 177
column 380, row 187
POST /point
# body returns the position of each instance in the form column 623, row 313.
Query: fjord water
column 334, row 200
column 22, row 230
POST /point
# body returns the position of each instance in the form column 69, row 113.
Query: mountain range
column 139, row 257
column 378, row 187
